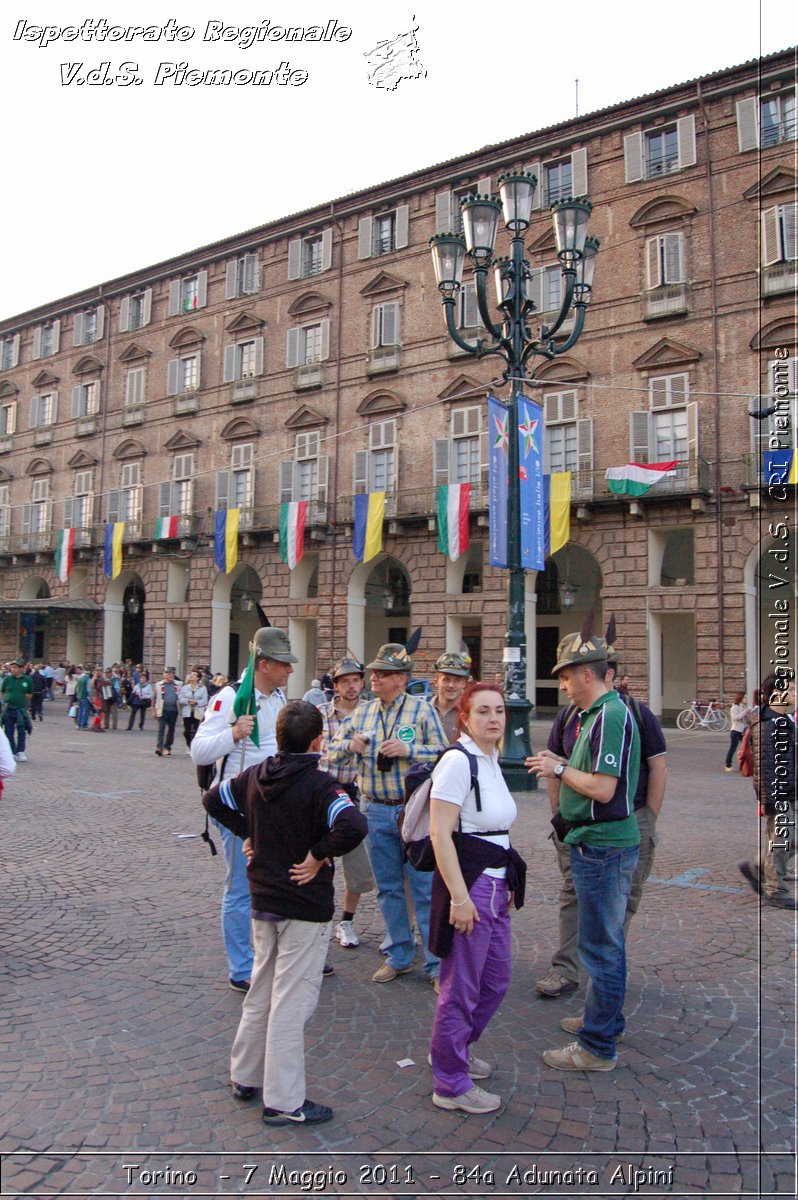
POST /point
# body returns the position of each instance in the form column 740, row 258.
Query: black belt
column 389, row 803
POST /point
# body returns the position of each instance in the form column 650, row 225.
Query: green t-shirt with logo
column 16, row 689
column 608, row 744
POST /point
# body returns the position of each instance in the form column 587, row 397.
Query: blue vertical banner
column 498, row 450
column 530, row 472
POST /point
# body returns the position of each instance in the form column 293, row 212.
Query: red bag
column 745, row 755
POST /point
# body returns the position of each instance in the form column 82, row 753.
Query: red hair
column 467, row 699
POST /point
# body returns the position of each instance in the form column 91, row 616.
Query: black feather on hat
column 610, row 635
column 412, row 643
column 264, row 620
column 586, row 631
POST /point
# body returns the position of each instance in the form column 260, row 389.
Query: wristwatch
column 558, row 770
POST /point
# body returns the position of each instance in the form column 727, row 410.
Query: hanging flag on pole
column 557, row 496
column 114, row 533
column 367, row 533
column 780, row 467
column 530, row 483
column 635, row 479
column 453, row 508
column 65, row 547
column 292, row 531
column 244, row 704
column 225, row 539
column 166, row 527
column 498, row 449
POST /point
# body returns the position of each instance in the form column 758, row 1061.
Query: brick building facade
column 308, row 359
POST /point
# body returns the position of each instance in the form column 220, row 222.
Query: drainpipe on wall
column 332, row 504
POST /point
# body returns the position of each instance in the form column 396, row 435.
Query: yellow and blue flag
column 367, row 534
column 225, row 539
column 114, row 534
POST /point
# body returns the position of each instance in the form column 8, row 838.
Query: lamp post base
column 517, row 747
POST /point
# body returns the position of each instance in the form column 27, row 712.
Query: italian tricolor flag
column 292, row 532
column 635, row 479
column 453, row 505
column 64, row 550
column 166, row 527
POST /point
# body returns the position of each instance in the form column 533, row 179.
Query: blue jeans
column 84, row 708
column 388, row 864
column 602, row 877
column 236, row 911
column 15, row 729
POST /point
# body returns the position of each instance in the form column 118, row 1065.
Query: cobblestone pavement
column 117, row 1018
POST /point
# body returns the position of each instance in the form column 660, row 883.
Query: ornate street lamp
column 511, row 337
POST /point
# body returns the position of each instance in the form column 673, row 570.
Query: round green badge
column 406, row 733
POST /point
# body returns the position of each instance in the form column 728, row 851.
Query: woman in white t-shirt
column 471, row 897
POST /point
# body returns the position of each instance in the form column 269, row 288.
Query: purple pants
column 473, row 980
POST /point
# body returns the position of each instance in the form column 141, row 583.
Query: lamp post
column 512, row 339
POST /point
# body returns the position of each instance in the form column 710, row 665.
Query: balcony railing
column 780, row 277
column 308, row 375
column 665, row 301
column 384, row 358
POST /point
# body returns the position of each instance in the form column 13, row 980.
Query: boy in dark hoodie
column 297, row 819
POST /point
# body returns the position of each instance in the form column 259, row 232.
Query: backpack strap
column 474, row 767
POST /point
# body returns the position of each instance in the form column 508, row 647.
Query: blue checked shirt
column 379, row 723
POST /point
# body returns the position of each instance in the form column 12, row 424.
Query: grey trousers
column 566, row 957
column 269, row 1047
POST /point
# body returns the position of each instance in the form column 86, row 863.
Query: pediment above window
column 377, row 403
column 39, row 466
column 545, row 242
column 133, row 353
column 666, row 353
column 5, row 476
column 245, row 322
column 782, row 332
column 81, row 461
column 779, row 181
column 562, row 370
column 660, row 209
column 182, row 441
column 306, row 418
column 8, row 390
column 45, row 379
column 309, row 303
column 382, row 284
column 187, row 336
column 129, row 449
column 464, row 387
column 87, row 365
column 238, row 429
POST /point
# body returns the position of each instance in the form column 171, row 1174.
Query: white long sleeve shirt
column 214, row 737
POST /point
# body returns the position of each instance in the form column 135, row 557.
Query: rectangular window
column 311, row 256
column 777, row 119
column 384, row 233
column 385, row 329
column 130, row 494
column 78, row 515
column 668, row 391
column 246, row 360
column 136, row 312
column 242, row 277
column 43, row 410
column 188, row 293
column 8, row 419
column 665, row 260
column 466, row 446
column 47, row 342
column 662, row 152
column 134, row 386
column 467, row 309
column 561, row 433
column 86, row 399
column 187, row 374
column 88, row 326
column 552, row 289
column 5, row 512
column 182, row 480
column 40, row 508
column 558, row 180
column 778, row 234
column 9, row 352
column 310, row 344
column 670, row 435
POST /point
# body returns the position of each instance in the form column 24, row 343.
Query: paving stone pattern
column 117, row 1018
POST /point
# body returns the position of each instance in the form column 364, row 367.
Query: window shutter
column 11, row 418
column 375, row 327
column 36, row 349
column 639, row 436
column 652, row 263
column 67, row 514
column 788, row 216
column 222, row 489
column 360, row 472
column 172, row 376
column 325, row 339
column 286, row 481
column 390, row 324
column 56, row 336
column 674, row 257
column 770, row 236
column 323, row 478
column 364, row 228
column 133, row 388
column 229, row 361
column 537, row 196
column 54, row 408
column 443, row 212
column 658, row 392
column 633, row 156
column 165, row 500
column 748, row 123
column 33, row 412
column 251, row 274
column 202, row 289
column 27, row 510
column 241, row 457
column 470, row 312
column 100, row 322
column 326, row 250
column 174, row 298
column 113, row 507
column 295, row 259
column 584, row 455
column 15, row 350
column 579, row 172
column 692, row 433
column 259, row 348
column 146, row 315
column 402, row 226
column 124, row 314
column 77, row 330
column 679, row 389
column 292, row 348
column 76, row 391
column 440, row 462
column 534, row 288
column 568, row 405
column 685, row 134
column 231, row 280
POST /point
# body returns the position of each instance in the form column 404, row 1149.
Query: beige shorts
column 358, row 875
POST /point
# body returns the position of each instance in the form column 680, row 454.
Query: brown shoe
column 577, row 1024
column 386, row 973
column 555, row 984
column 575, row 1057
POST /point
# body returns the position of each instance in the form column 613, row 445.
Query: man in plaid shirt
column 383, row 738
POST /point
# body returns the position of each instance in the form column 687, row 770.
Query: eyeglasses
column 382, row 674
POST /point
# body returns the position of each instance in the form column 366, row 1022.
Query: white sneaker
column 22, row 756
column 345, row 933
column 475, row 1100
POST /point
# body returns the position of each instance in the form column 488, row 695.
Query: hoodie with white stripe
column 288, row 807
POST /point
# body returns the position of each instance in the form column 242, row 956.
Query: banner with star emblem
column 530, row 472
column 498, row 449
